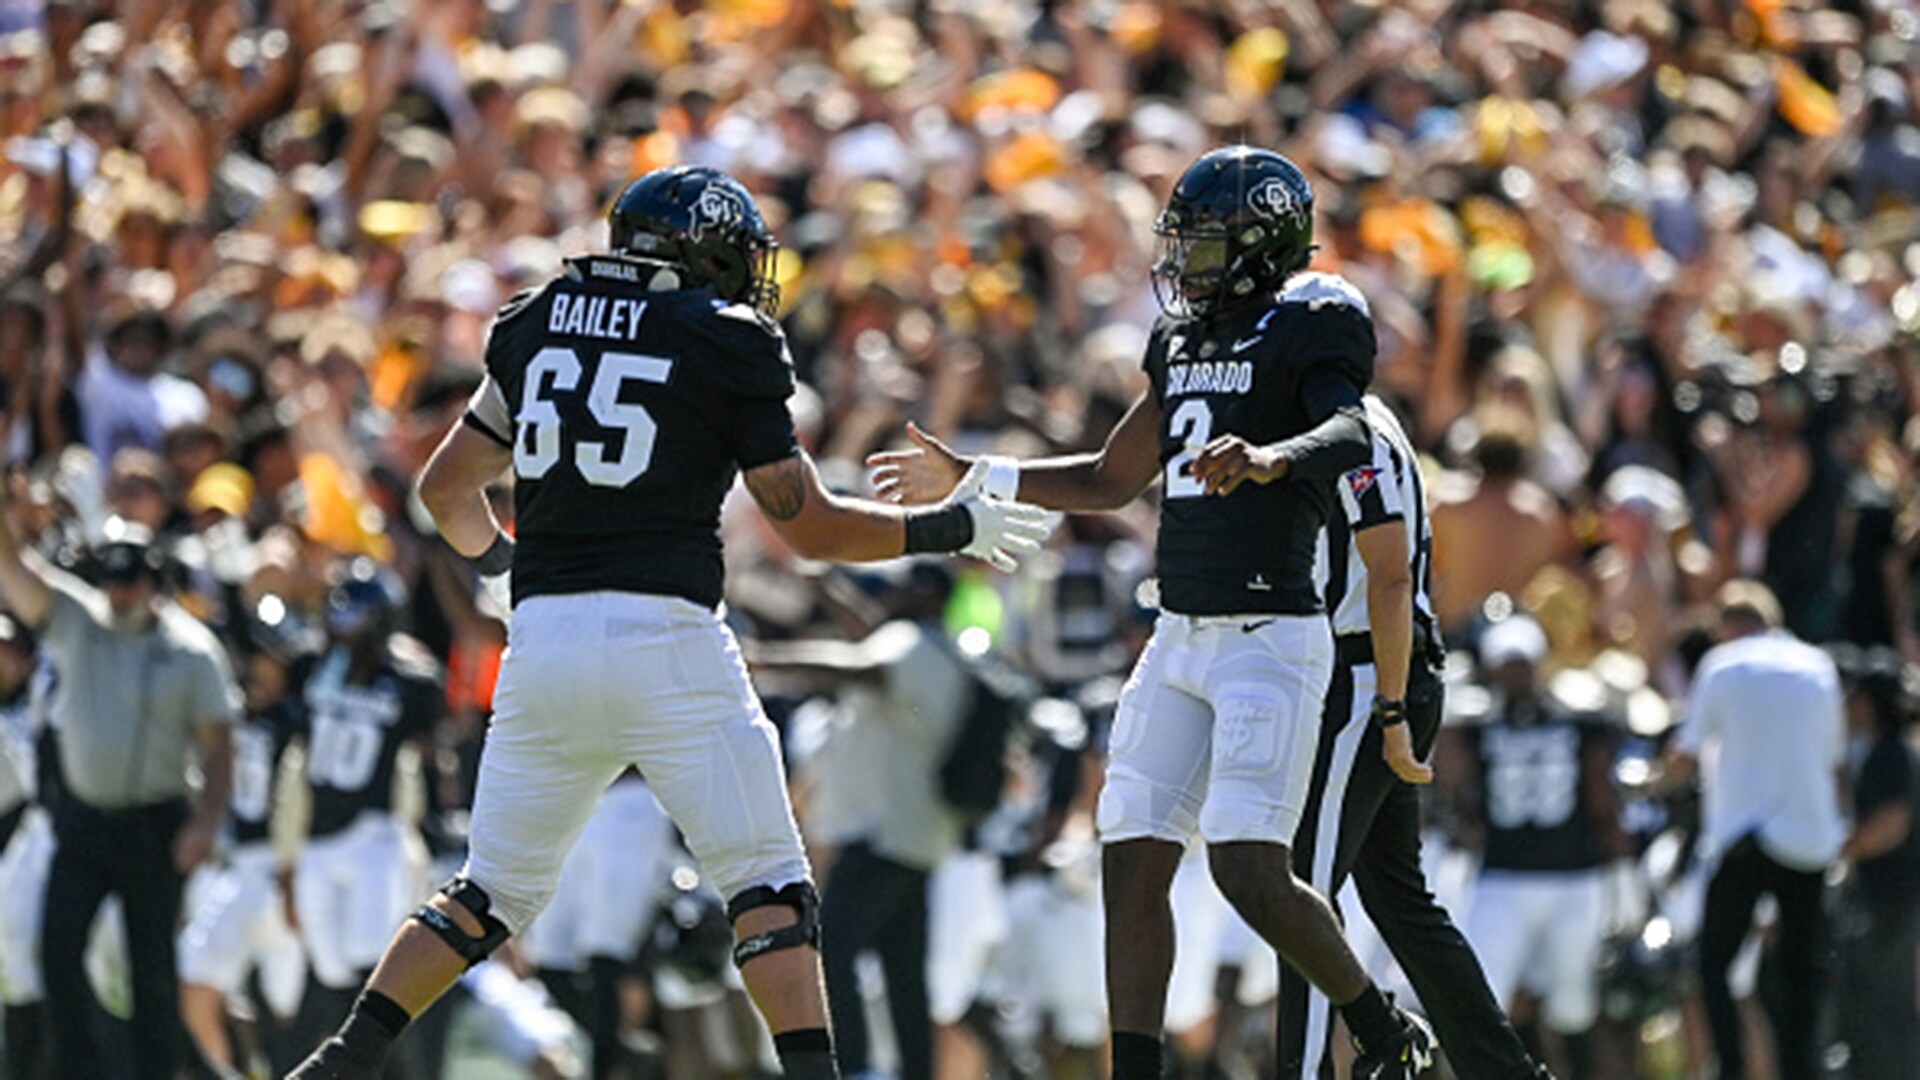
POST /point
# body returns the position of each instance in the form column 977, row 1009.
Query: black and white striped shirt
column 1388, row 488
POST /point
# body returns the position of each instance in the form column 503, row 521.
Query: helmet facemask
column 1190, row 271
column 1238, row 224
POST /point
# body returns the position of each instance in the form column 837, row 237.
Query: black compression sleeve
column 949, row 528
column 1339, row 441
column 497, row 559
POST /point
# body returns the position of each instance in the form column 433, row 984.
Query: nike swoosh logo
column 1243, row 344
column 1248, row 628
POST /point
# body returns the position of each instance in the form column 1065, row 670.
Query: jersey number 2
column 1192, row 424
column 537, row 449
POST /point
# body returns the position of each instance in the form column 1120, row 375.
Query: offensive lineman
column 1382, row 714
column 625, row 394
column 1257, row 370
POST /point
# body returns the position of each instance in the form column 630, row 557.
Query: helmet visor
column 1189, row 269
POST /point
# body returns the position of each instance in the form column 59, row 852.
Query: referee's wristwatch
column 1387, row 712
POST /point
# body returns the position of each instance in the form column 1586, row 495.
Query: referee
column 1363, row 814
column 142, row 686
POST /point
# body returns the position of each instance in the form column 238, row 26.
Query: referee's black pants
column 1363, row 821
column 873, row 902
column 1745, row 874
column 128, row 853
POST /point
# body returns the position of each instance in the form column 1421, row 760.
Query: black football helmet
column 702, row 224
column 1238, row 224
column 365, row 603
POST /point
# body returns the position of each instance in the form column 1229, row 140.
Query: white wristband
column 1003, row 478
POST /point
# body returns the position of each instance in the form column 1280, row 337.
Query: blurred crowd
column 1646, row 278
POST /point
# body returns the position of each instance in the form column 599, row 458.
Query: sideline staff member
column 142, row 683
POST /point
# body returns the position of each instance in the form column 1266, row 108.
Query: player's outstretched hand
column 920, row 476
column 1003, row 532
column 1229, row 461
column 1397, row 748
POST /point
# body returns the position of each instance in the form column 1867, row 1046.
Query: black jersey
column 355, row 731
column 1538, row 815
column 630, row 412
column 1255, row 374
column 259, row 739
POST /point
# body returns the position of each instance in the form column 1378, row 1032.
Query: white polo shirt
column 1767, row 720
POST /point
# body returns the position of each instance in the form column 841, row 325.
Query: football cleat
column 1403, row 1057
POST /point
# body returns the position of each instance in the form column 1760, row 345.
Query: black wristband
column 497, row 559
column 949, row 528
column 1387, row 712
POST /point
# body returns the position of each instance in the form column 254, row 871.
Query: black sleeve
column 746, row 353
column 751, row 367
column 1330, row 334
column 1340, row 439
column 761, row 432
column 1886, row 777
column 421, row 705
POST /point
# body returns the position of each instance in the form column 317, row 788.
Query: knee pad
column 464, row 892
column 804, row 933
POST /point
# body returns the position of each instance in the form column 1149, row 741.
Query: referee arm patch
column 1370, row 494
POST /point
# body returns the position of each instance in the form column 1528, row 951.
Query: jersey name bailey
column 1214, row 377
column 595, row 316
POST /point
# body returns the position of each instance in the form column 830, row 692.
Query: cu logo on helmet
column 1277, row 199
column 717, row 208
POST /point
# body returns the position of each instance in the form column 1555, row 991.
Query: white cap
column 1601, row 60
column 1517, row 637
column 1647, row 491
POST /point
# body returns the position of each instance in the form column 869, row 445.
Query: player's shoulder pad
column 1319, row 291
column 517, row 305
column 412, row 660
column 1585, row 696
column 1326, row 319
column 747, row 350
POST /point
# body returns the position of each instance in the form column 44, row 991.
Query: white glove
column 1003, row 532
column 500, row 590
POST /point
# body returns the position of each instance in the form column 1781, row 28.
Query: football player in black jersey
column 1543, row 758
column 626, row 395
column 1257, row 369
column 1363, row 814
column 238, row 918
column 374, row 691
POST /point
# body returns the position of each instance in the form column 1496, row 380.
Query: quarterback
column 1257, row 368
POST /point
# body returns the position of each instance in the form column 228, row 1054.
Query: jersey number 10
column 537, row 448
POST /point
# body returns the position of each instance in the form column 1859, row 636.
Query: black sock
column 1372, row 1021
column 806, row 1054
column 375, row 1022
column 1137, row 1056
